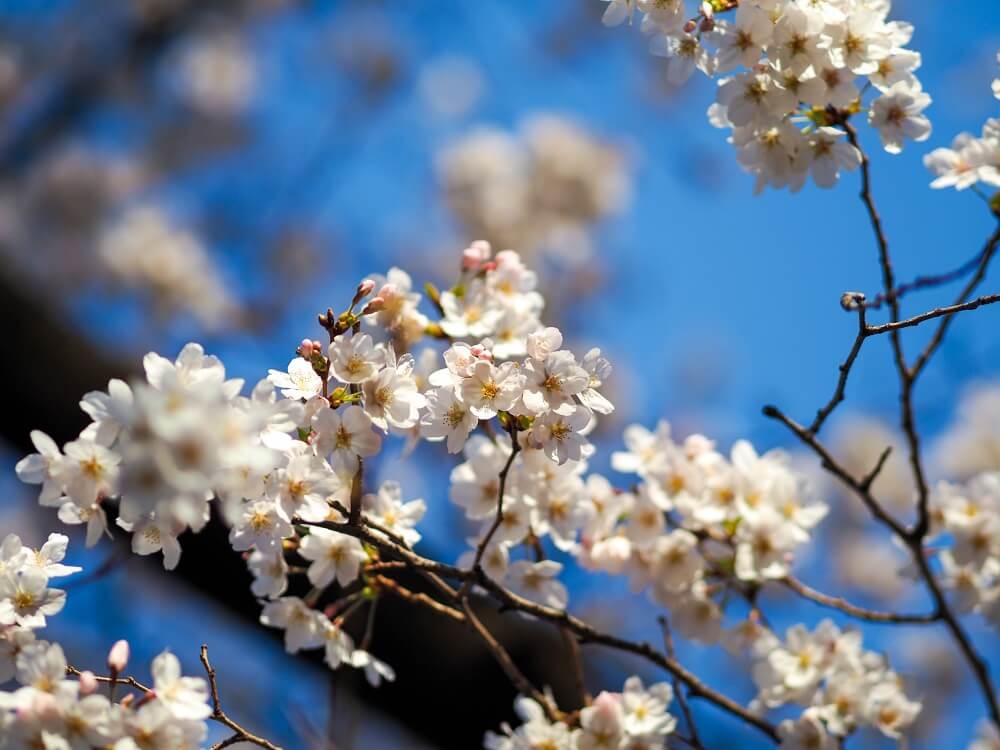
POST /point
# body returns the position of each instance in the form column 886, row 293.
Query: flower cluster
column 968, row 516
column 50, row 710
column 539, row 190
column 282, row 468
column 971, row 444
column 970, row 160
column 634, row 719
column 25, row 597
column 143, row 250
column 790, row 74
column 693, row 516
column 287, row 467
column 843, row 686
column 165, row 447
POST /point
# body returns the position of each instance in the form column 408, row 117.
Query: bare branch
column 845, row 371
column 830, row 464
column 239, row 733
column 861, row 613
column 682, row 701
column 938, row 312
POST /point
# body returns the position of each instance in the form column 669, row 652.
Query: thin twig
column 845, row 370
column 416, row 597
column 682, row 701
column 503, row 658
column 584, row 632
column 498, row 518
column 938, row 312
column 239, row 733
column 861, row 613
column 130, row 681
column 989, row 250
column 926, row 282
column 830, row 464
column 977, row 664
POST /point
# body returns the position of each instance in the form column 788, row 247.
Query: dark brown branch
column 835, row 468
column 926, row 282
column 584, row 632
column 944, row 612
column 861, row 613
column 239, row 733
column 845, row 370
column 906, row 377
column 872, row 475
column 950, row 310
column 416, row 597
column 502, row 488
column 668, row 645
column 516, row 676
column 989, row 250
column 118, row 680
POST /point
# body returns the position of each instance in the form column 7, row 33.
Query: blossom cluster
column 695, row 515
column 842, row 686
column 168, row 446
column 539, row 189
column 144, row 250
column 286, row 468
column 790, row 74
column 969, row 160
column 50, row 710
column 634, row 719
column 966, row 539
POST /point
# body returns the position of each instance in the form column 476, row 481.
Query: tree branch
column 861, row 613
column 239, row 733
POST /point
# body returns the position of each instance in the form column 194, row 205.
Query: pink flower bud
column 128, row 700
column 607, row 705
column 88, row 683
column 708, row 24
column 690, row 26
column 118, row 657
column 306, row 349
column 388, row 291
column 375, row 304
column 475, row 255
column 470, row 259
column 364, row 289
column 480, row 352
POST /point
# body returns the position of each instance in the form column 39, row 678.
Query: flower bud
column 118, row 657
column 306, row 349
column 608, row 705
column 375, row 304
column 365, row 288
column 690, row 26
column 388, row 292
column 88, row 683
column 851, row 300
column 481, row 352
column 475, row 255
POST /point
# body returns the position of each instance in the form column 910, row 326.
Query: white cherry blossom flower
column 299, row 381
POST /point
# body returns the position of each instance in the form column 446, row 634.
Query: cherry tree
column 703, row 532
